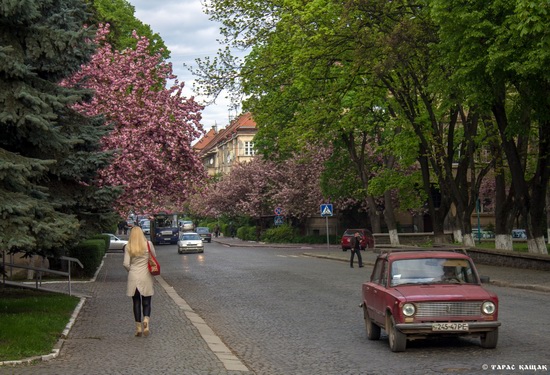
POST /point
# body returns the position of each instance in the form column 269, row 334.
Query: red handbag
column 153, row 264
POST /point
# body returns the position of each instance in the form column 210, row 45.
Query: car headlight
column 488, row 308
column 408, row 309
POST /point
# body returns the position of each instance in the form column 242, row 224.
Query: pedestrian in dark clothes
column 356, row 249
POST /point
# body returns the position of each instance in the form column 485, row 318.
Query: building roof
column 206, row 140
column 213, row 138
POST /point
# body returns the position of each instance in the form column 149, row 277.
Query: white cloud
column 188, row 34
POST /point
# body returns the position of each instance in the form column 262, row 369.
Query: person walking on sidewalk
column 140, row 281
column 356, row 249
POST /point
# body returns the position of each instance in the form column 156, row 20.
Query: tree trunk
column 374, row 216
column 389, row 216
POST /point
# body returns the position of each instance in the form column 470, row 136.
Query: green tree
column 48, row 152
column 502, row 53
column 120, row 15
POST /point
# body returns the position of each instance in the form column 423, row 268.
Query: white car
column 186, row 225
column 190, row 242
column 116, row 243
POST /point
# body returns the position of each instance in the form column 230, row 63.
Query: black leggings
column 140, row 301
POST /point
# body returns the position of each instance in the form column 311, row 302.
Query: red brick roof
column 212, row 138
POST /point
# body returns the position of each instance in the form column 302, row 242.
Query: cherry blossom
column 153, row 126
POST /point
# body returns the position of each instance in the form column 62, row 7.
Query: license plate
column 449, row 326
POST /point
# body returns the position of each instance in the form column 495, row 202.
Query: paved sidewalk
column 101, row 340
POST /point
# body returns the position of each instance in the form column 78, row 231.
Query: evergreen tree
column 48, row 152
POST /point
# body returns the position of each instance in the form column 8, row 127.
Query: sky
column 188, row 34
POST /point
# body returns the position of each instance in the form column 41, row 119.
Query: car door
column 375, row 291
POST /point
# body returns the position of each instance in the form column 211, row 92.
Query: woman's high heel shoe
column 146, row 326
column 138, row 329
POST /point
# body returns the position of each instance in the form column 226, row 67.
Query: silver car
column 116, row 243
column 190, row 242
column 186, row 226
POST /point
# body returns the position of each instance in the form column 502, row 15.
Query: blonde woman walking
column 140, row 281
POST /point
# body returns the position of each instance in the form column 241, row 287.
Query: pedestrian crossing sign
column 326, row 210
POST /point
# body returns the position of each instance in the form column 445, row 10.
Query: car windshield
column 190, row 237
column 432, row 271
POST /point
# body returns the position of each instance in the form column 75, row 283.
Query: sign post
column 278, row 216
column 326, row 211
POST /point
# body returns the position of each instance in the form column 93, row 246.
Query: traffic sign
column 278, row 220
column 278, row 211
column 326, row 210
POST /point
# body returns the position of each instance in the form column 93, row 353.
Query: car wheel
column 489, row 340
column 397, row 339
column 373, row 331
column 179, row 251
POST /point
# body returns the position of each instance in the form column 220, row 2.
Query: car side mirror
column 484, row 279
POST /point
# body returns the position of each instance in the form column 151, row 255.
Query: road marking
column 229, row 360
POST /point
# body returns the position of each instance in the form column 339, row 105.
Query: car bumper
column 190, row 249
column 426, row 328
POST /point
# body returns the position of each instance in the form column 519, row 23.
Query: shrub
column 247, row 233
column 317, row 239
column 105, row 238
column 280, row 234
column 89, row 253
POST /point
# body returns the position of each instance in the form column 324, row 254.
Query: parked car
column 519, row 234
column 482, row 233
column 115, row 242
column 186, row 225
column 367, row 240
column 190, row 242
column 420, row 294
column 205, row 234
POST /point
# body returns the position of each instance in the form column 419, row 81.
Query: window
column 249, row 148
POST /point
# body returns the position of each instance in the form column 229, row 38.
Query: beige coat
column 138, row 273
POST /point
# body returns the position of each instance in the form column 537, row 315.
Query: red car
column 367, row 239
column 419, row 294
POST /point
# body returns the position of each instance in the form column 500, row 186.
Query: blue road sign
column 278, row 211
column 278, row 220
column 326, row 210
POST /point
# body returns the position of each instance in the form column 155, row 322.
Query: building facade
column 220, row 149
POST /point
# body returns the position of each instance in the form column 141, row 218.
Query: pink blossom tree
column 298, row 189
column 153, row 126
column 255, row 188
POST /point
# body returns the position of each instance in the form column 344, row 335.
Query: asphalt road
column 284, row 313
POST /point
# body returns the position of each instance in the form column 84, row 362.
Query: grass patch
column 31, row 321
column 520, row 247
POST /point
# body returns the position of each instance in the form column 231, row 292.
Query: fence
column 38, row 270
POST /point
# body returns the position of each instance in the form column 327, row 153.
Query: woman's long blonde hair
column 137, row 243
